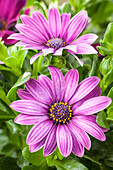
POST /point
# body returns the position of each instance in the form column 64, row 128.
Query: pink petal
column 75, row 26
column 58, row 52
column 25, row 95
column 84, row 88
column 58, row 82
column 50, row 144
column 80, row 61
column 87, row 39
column 39, row 131
column 85, row 49
column 29, row 107
column 64, row 140
column 42, row 22
column 47, row 51
column 7, row 33
column 54, row 22
column 35, row 57
column 1, row 62
column 35, row 147
column 80, row 134
column 94, row 93
column 24, row 119
column 38, row 91
column 64, row 23
column 71, row 79
column 47, row 83
column 93, row 105
column 78, row 148
column 71, row 47
column 90, row 127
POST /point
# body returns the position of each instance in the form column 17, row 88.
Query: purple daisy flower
column 56, row 34
column 9, row 11
column 61, row 112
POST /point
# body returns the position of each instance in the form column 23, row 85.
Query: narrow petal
column 75, row 26
column 58, row 82
column 35, row 57
column 25, row 119
column 25, row 95
column 58, row 52
column 71, row 79
column 47, row 83
column 80, row 134
column 92, row 105
column 64, row 140
column 54, row 22
column 90, row 127
column 51, row 143
column 42, row 22
column 71, row 47
column 85, row 49
column 39, row 131
column 38, row 91
column 1, row 62
column 64, row 23
column 80, row 61
column 78, row 148
column 84, row 88
column 94, row 93
column 47, row 51
column 29, row 107
column 87, row 39
column 35, row 147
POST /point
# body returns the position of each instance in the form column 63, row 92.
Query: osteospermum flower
column 56, row 34
column 9, row 10
column 61, row 112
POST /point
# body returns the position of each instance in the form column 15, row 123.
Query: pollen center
column 55, row 43
column 60, row 113
column 2, row 25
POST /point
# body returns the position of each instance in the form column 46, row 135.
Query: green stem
column 87, row 157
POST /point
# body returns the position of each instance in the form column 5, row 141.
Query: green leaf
column 35, row 158
column 3, row 96
column 20, row 57
column 31, row 167
column 101, row 120
column 108, row 36
column 3, row 52
column 110, row 94
column 11, row 62
column 4, row 116
column 94, row 68
column 37, row 4
column 23, row 79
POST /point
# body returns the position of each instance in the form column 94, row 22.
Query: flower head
column 56, row 34
column 9, row 11
column 61, row 112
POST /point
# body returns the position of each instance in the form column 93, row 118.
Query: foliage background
column 14, row 154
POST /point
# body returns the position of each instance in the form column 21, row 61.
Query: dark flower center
column 2, row 25
column 55, row 43
column 60, row 113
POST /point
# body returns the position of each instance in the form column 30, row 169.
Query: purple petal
column 80, row 61
column 84, row 88
column 51, row 143
column 35, row 57
column 58, row 82
column 47, row 51
column 54, row 22
column 94, row 93
column 29, row 107
column 38, row 91
column 42, row 22
column 25, row 95
column 24, row 119
column 85, row 49
column 39, row 131
column 47, row 83
column 78, row 148
column 71, row 47
column 93, row 105
column 87, row 39
column 80, row 134
column 71, row 79
column 64, row 140
column 35, row 147
column 7, row 33
column 64, row 23
column 75, row 26
column 88, row 125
